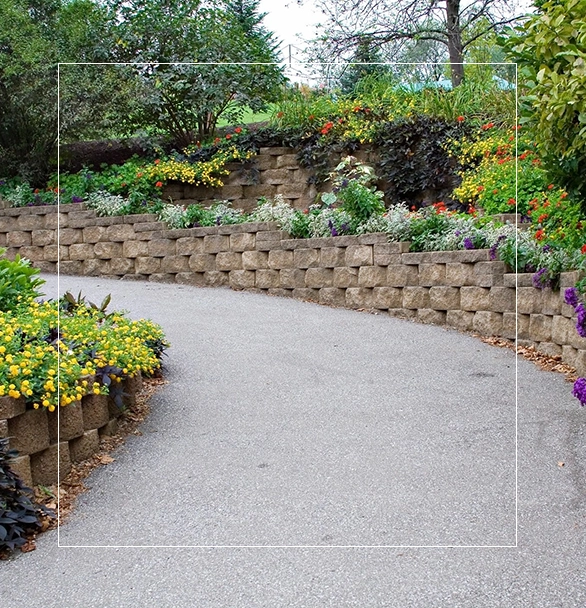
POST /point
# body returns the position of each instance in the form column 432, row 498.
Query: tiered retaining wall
column 81, row 425
column 460, row 289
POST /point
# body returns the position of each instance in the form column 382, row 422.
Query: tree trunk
column 455, row 41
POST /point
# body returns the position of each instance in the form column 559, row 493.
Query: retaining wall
column 460, row 289
column 81, row 425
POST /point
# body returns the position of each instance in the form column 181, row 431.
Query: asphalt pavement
column 307, row 456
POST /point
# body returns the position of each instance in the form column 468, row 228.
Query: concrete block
column 551, row 301
column 30, row 222
column 359, row 255
column 84, row 447
column 402, row 313
column 529, row 300
column 110, row 429
column 174, row 263
column 18, row 239
column 216, row 278
column 54, row 253
column 253, row 260
column 319, row 277
column 372, row 276
column 488, row 323
column 280, row 259
column 345, row 277
column 540, row 328
column 95, row 234
column 306, row 258
column 189, row 245
column 21, row 465
column 159, row 248
column 244, row 241
column 474, row 298
column 228, row 260
column 96, row 267
column 81, row 251
column 70, row 419
column 432, row 274
column 306, row 293
column 267, row 279
column 431, row 316
column 9, row 407
column 359, row 297
column 94, row 411
column 29, row 432
column 459, row 274
column 550, row 349
column 332, row 257
column 332, row 296
column 120, row 232
column 515, row 326
column 201, row 262
column 569, row 355
column 502, row 299
column 401, row 275
column 460, row 319
column 387, row 297
column 215, row 243
column 190, row 278
column 135, row 249
column 242, row 279
column 40, row 238
column 147, row 265
column 444, row 298
column 415, row 297
column 105, row 250
column 561, row 329
column 51, row 464
column 292, row 278
column 275, row 176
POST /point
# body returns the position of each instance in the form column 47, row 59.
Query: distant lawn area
column 248, row 117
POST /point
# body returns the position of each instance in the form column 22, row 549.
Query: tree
column 186, row 57
column 365, row 62
column 550, row 51
column 448, row 22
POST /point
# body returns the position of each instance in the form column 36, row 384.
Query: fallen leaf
column 105, row 459
column 28, row 546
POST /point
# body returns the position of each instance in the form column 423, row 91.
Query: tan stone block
column 515, row 326
column 540, row 328
column 121, row 266
column 280, row 259
column 359, row 297
column 159, row 248
column 402, row 313
column 580, row 362
column 551, row 301
column 81, row 251
column 30, row 222
column 9, row 407
column 229, row 192
column 488, row 323
column 306, row 258
column 502, row 299
column 135, row 249
column 431, row 316
column 120, row 232
column 528, row 300
column 3, row 429
column 444, row 298
column 229, row 260
column 569, row 355
column 190, row 278
column 243, row 241
column 54, row 253
column 561, row 329
column 8, row 224
column 259, row 190
column 34, row 254
column 415, row 297
column 372, row 276
column 40, row 238
column 550, row 349
column 459, row 274
column 319, row 277
column 106, row 250
column 460, row 319
column 110, row 429
column 95, row 234
column 332, row 257
column 71, row 267
column 386, row 254
column 275, row 176
column 387, row 297
column 201, row 262
column 253, row 260
column 21, row 465
column 574, row 338
column 291, row 278
column 242, row 279
column 18, row 239
column 53, row 220
column 216, row 278
column 474, row 298
column 345, row 277
column 308, row 294
column 189, row 245
column 29, row 432
column 84, row 447
column 70, row 419
column 95, row 267
column 288, row 161
column 51, row 464
column 266, row 279
column 432, row 274
column 214, row 243
column 332, row 296
column 359, row 255
column 401, row 275
column 94, row 411
column 175, row 263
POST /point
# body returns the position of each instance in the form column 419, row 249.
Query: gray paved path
column 322, row 457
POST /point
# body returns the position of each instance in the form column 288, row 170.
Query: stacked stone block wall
column 51, row 442
column 465, row 290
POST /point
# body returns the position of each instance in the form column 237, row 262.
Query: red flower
column 583, row 250
column 238, row 130
column 550, row 187
column 159, row 185
column 542, row 217
column 495, row 191
column 471, row 210
column 511, row 201
column 306, row 211
column 217, row 140
column 487, row 126
column 157, row 161
column 460, row 119
column 539, row 234
column 228, row 136
column 340, row 120
column 311, row 117
column 563, row 195
column 357, row 109
column 413, row 208
column 280, row 114
column 480, row 188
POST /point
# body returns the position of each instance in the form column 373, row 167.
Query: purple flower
column 468, row 243
column 581, row 319
column 541, row 279
column 76, row 199
column 457, row 233
column 571, row 296
column 495, row 246
column 546, row 248
column 332, row 228
column 580, row 390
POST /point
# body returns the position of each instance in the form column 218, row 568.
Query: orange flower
column 495, row 191
column 238, row 130
column 583, row 250
column 460, row 119
column 228, row 136
column 157, row 161
column 511, row 201
column 542, row 217
column 550, row 187
column 159, row 185
column 539, row 234
column 480, row 188
column 280, row 114
column 563, row 195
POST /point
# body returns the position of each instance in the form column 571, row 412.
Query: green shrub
column 19, row 282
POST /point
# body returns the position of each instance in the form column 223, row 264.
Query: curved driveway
column 307, row 456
